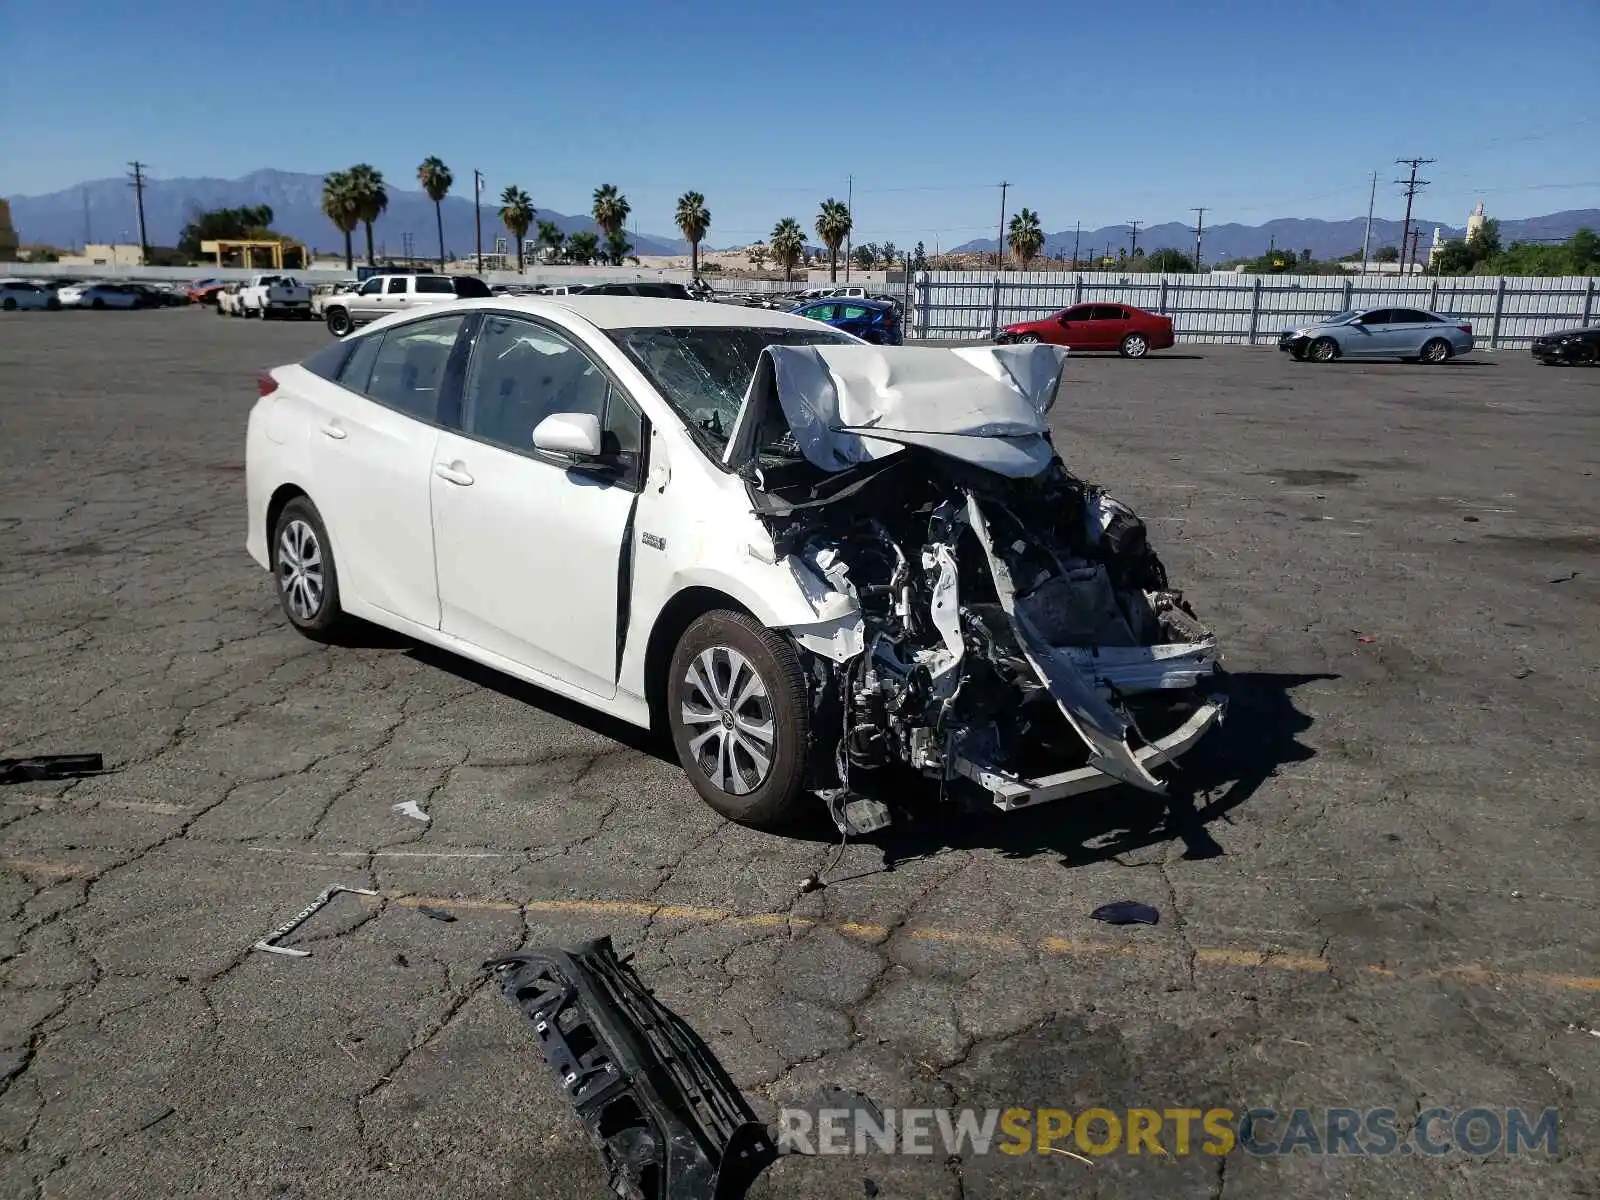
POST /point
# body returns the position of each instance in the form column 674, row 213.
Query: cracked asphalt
column 1377, row 882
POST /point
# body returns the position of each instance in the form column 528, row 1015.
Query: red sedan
column 1130, row 331
column 204, row 291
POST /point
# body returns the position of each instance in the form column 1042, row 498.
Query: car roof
column 868, row 301
column 638, row 312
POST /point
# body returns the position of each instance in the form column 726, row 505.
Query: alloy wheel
column 301, row 576
column 1135, row 345
column 729, row 716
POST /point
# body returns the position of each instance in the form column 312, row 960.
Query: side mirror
column 576, row 434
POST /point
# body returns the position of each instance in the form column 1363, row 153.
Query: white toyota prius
column 810, row 561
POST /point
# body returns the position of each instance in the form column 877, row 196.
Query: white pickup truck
column 267, row 296
column 384, row 294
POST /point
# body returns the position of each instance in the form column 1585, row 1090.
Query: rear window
column 326, row 363
column 469, row 287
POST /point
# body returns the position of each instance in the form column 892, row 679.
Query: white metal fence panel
column 1253, row 309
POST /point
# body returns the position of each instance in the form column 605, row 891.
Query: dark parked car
column 1568, row 347
column 1130, row 331
column 655, row 290
column 876, row 321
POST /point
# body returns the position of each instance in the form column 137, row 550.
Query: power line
column 136, row 182
column 1413, row 185
column 1133, row 239
column 1199, row 229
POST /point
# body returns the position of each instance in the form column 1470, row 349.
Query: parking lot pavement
column 1376, row 883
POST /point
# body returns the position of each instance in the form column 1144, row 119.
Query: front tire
column 339, row 323
column 1135, row 345
column 10, row 304
column 304, row 573
column 1323, row 350
column 1028, row 339
column 1435, row 352
column 737, row 711
column 97, row 303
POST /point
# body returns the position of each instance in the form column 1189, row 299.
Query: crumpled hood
column 845, row 405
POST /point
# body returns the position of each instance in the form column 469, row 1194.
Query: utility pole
column 1413, row 185
column 1077, row 232
column 849, row 207
column 87, row 235
column 136, row 182
column 1000, row 246
column 1366, row 238
column 1199, row 230
column 477, row 212
column 1133, row 239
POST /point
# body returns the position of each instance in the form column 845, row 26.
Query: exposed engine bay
column 1018, row 632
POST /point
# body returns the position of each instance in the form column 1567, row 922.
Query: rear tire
column 10, row 304
column 339, row 323
column 737, row 712
column 97, row 303
column 1135, row 345
column 1435, row 351
column 1323, row 350
column 303, row 571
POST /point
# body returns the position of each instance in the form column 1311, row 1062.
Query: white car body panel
column 508, row 558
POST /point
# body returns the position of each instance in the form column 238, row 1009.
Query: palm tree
column 339, row 206
column 550, row 237
column 788, row 242
column 582, row 247
column 516, row 214
column 618, row 247
column 611, row 211
column 694, row 218
column 833, row 226
column 371, row 199
column 436, row 179
column 1027, row 237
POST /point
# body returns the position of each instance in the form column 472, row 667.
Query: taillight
column 265, row 385
column 1467, row 328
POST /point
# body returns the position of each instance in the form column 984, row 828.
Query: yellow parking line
column 1220, row 957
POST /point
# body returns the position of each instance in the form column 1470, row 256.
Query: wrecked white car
column 809, row 560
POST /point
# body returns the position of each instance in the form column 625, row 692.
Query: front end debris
column 669, row 1123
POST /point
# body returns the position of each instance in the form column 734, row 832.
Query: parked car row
column 57, row 294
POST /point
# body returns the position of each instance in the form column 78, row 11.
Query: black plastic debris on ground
column 50, row 766
column 1126, row 912
column 667, row 1120
column 437, row 914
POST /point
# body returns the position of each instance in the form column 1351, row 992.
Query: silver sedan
column 1407, row 333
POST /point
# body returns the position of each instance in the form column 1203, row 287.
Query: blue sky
column 1096, row 113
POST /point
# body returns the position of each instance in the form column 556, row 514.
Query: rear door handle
column 452, row 474
column 333, row 431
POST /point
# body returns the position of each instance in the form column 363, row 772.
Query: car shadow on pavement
column 1260, row 733
column 643, row 740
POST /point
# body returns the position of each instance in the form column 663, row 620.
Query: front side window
column 522, row 373
column 1378, row 316
column 371, row 287
column 704, row 371
column 1080, row 313
column 409, row 368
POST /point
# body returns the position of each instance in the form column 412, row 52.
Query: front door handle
column 451, row 473
column 333, row 431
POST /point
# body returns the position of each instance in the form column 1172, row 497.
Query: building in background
column 1475, row 221
column 8, row 234
column 101, row 254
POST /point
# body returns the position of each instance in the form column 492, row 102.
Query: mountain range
column 1325, row 239
column 104, row 209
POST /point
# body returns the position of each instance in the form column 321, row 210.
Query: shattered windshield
column 703, row 372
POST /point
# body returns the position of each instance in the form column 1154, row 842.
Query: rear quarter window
column 329, row 361
column 469, row 287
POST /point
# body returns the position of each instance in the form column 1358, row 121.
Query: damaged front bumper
column 1012, row 792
